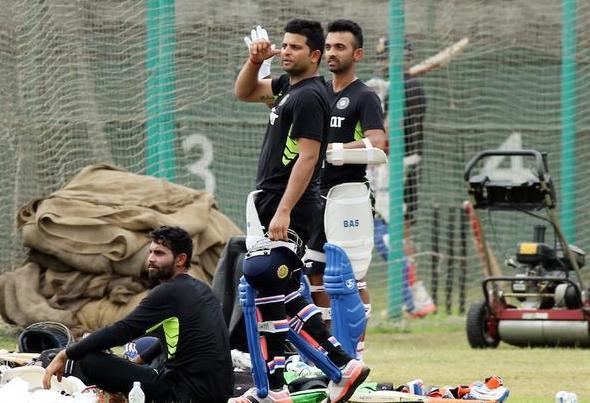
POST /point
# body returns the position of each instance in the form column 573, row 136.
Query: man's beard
column 160, row 273
column 340, row 67
column 294, row 71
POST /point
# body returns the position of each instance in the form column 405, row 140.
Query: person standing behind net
column 413, row 126
column 184, row 314
column 292, row 151
column 356, row 121
column 414, row 114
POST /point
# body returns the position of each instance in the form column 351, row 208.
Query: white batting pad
column 348, row 223
column 254, row 230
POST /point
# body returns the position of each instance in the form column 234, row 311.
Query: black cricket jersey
column 414, row 112
column 299, row 110
column 353, row 111
column 186, row 313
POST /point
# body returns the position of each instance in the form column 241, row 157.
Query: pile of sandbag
column 88, row 244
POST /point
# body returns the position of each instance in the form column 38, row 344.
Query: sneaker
column 414, row 387
column 441, row 393
column 296, row 365
column 480, row 391
column 353, row 374
column 280, row 396
column 458, row 392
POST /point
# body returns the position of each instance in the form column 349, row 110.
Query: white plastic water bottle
column 136, row 395
column 566, row 397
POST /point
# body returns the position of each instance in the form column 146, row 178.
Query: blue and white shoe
column 481, row 391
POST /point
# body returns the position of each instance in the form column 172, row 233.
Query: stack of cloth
column 88, row 245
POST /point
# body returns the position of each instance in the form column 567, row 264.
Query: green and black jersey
column 299, row 110
column 353, row 111
column 187, row 316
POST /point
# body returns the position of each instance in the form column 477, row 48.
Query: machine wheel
column 477, row 326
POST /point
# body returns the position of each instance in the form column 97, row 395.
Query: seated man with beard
column 183, row 313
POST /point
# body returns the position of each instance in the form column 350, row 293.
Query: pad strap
column 326, row 312
column 274, row 326
column 368, row 310
column 296, row 323
column 316, row 255
column 360, row 345
column 273, row 299
column 360, row 349
column 276, row 363
column 317, row 288
column 291, row 296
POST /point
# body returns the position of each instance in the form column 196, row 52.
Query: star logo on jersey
column 343, row 103
column 282, row 271
column 282, row 101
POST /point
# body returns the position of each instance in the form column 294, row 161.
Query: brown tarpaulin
column 88, row 245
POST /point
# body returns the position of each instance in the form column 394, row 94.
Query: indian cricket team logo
column 282, row 271
column 343, row 103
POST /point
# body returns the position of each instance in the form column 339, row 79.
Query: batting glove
column 260, row 33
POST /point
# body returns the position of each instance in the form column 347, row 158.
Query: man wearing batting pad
column 289, row 199
column 356, row 121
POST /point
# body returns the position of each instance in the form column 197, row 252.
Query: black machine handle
column 540, row 161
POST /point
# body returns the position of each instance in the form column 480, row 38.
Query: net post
column 568, row 119
column 395, row 261
column 160, row 86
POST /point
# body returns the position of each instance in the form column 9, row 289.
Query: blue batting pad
column 348, row 312
column 248, row 303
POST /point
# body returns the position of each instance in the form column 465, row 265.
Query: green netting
column 73, row 82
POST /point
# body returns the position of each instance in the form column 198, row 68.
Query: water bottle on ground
column 136, row 395
column 566, row 397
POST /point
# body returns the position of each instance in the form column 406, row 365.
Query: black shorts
column 303, row 215
column 318, row 234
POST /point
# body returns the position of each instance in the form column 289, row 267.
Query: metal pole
column 396, row 153
column 568, row 119
column 160, row 88
column 152, row 92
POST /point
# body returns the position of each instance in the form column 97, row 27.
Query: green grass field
column 436, row 350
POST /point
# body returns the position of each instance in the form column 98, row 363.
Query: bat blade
column 392, row 396
column 440, row 59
